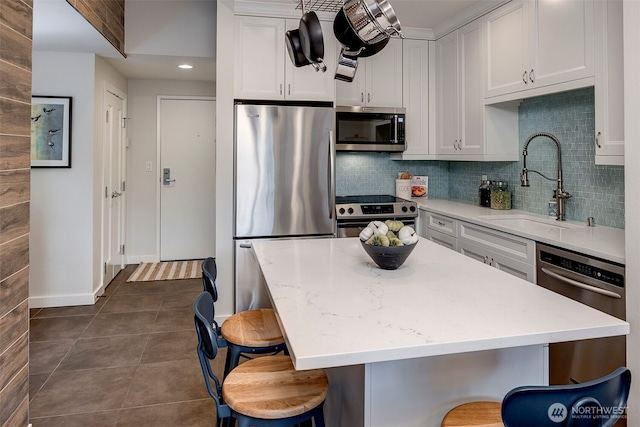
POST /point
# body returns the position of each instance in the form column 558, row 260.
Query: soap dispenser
column 553, row 206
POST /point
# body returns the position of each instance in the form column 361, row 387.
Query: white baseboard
column 61, row 300
column 137, row 259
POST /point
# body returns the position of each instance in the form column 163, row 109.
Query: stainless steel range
column 353, row 213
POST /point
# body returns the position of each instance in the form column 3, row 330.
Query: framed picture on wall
column 51, row 131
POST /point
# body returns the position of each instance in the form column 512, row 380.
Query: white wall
column 61, row 199
column 141, row 195
column 632, row 204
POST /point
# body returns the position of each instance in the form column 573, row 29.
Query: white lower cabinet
column 507, row 252
column 509, row 265
column 512, row 254
column 442, row 239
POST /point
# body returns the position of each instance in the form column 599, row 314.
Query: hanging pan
column 292, row 40
column 311, row 37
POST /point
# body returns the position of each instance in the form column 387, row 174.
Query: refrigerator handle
column 332, row 174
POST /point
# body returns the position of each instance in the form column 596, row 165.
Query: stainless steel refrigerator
column 284, row 184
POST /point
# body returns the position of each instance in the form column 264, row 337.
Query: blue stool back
column 600, row 403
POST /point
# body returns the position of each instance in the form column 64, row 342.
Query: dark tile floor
column 128, row 360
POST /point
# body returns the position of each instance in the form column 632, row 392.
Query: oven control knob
column 350, row 211
column 341, row 210
column 412, row 208
column 404, row 209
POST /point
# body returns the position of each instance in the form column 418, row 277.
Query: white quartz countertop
column 599, row 241
column 337, row 308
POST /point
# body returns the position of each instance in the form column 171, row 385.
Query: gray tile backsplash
column 598, row 191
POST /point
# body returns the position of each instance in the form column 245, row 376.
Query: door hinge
column 122, row 186
column 107, row 118
column 122, row 249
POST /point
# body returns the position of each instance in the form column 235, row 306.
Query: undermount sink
column 531, row 223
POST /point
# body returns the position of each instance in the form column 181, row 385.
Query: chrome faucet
column 561, row 194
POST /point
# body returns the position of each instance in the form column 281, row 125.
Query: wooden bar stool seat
column 252, row 328
column 269, row 387
column 476, row 414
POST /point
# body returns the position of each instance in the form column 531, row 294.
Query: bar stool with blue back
column 265, row 391
column 597, row 403
column 246, row 332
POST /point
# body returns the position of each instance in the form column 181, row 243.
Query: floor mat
column 171, row 270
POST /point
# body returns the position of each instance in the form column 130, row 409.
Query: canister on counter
column 500, row 195
column 484, row 193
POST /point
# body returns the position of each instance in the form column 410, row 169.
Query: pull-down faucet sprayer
column 561, row 194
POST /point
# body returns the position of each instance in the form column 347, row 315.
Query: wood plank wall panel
column 107, row 16
column 16, row 18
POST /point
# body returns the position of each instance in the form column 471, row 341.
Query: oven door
column 353, row 228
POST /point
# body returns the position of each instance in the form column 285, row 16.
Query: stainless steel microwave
column 370, row 129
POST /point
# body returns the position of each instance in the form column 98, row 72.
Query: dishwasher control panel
column 583, row 269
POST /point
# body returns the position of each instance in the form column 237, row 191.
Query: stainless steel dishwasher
column 597, row 283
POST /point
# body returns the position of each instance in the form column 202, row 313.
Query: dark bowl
column 388, row 257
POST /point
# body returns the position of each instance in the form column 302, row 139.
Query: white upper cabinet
column 416, row 69
column 531, row 45
column 263, row 69
column 378, row 80
column 609, row 90
column 506, row 33
column 459, row 95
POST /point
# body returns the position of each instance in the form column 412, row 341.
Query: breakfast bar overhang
column 401, row 347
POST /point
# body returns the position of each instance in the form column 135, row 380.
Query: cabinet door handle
column 598, row 139
column 289, row 89
column 532, row 76
column 524, row 77
column 280, row 88
column 441, row 223
column 361, row 96
column 485, row 259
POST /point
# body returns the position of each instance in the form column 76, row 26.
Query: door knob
column 166, row 177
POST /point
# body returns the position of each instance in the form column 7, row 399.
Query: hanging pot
column 344, row 32
column 311, row 37
column 372, row 20
column 348, row 38
column 347, row 65
column 294, row 47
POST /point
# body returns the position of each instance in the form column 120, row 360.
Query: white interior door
column 187, row 178
column 114, row 183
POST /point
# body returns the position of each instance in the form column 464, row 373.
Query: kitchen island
column 402, row 347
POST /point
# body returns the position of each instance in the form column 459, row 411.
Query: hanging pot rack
column 320, row 5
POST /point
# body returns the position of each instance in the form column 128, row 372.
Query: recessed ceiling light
column 185, row 66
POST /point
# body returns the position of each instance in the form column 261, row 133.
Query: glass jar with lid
column 500, row 195
column 484, row 193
